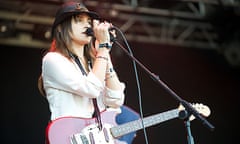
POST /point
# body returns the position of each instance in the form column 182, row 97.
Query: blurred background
column 191, row 45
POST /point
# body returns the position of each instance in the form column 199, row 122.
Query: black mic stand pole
column 189, row 134
column 190, row 110
column 183, row 114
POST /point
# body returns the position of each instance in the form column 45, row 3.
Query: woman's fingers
column 101, row 31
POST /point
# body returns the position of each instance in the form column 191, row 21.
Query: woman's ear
column 59, row 29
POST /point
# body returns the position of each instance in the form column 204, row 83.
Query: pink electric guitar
column 75, row 130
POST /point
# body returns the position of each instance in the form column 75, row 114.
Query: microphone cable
column 130, row 53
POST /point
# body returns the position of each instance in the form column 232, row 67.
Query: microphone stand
column 190, row 110
column 189, row 134
column 183, row 114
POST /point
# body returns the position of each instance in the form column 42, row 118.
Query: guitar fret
column 148, row 121
column 126, row 128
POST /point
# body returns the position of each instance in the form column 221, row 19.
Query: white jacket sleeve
column 62, row 73
column 114, row 98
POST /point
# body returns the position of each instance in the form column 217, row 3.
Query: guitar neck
column 132, row 126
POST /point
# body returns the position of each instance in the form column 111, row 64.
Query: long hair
column 61, row 38
column 61, row 43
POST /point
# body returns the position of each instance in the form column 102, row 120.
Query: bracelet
column 105, row 45
column 110, row 76
column 110, row 70
column 102, row 57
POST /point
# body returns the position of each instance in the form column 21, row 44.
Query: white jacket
column 70, row 93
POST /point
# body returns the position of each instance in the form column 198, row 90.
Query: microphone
column 89, row 32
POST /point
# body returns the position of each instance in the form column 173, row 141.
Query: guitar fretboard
column 147, row 122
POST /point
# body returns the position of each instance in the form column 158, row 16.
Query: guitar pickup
column 79, row 139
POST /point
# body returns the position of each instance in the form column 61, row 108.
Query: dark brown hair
column 62, row 43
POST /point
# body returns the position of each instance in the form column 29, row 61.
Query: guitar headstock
column 199, row 107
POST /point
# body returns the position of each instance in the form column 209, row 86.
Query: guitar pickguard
column 93, row 135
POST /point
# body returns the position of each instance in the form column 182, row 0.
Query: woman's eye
column 90, row 21
column 78, row 19
column 82, row 19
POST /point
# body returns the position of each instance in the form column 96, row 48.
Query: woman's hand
column 101, row 31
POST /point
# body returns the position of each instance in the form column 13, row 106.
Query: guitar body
column 85, row 130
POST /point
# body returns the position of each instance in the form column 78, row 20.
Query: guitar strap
column 96, row 109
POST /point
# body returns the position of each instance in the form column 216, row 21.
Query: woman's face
column 80, row 23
